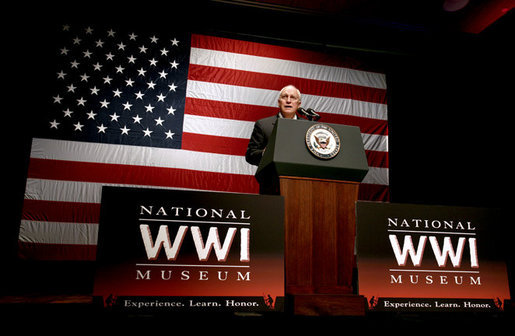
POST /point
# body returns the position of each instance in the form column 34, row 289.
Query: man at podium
column 289, row 102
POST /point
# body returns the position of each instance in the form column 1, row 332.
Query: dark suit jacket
column 259, row 139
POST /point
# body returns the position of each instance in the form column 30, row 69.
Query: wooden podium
column 320, row 197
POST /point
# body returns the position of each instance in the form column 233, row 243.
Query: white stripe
column 231, row 94
column 243, row 129
column 375, row 142
column 217, row 126
column 58, row 233
column 139, row 156
column 263, row 97
column 74, row 191
column 90, row 192
column 344, row 106
column 63, row 191
column 223, row 59
column 377, row 175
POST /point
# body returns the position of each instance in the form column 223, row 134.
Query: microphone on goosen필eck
column 315, row 115
column 309, row 113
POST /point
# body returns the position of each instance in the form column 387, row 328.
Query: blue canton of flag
column 119, row 87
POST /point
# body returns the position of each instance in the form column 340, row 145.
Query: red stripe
column 51, row 211
column 236, row 146
column 40, row 251
column 377, row 159
column 276, row 82
column 214, row 144
column 226, row 110
column 273, row 51
column 374, row 192
column 140, row 175
column 244, row 112
column 366, row 125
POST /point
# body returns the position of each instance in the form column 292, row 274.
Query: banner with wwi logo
column 177, row 250
column 430, row 258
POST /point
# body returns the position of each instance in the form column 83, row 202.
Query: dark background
column 449, row 95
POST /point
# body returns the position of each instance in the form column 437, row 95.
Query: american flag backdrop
column 165, row 110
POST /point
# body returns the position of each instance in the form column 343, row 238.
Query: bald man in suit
column 289, row 101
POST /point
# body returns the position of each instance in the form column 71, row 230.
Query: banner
column 430, row 258
column 172, row 250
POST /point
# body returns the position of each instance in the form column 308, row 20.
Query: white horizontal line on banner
column 435, row 232
column 189, row 221
column 189, row 265
column 429, row 271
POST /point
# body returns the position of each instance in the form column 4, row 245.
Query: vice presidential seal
column 323, row 141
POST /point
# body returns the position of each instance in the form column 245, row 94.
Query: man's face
column 289, row 102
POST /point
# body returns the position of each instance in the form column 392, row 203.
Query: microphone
column 315, row 115
column 309, row 113
column 303, row 111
